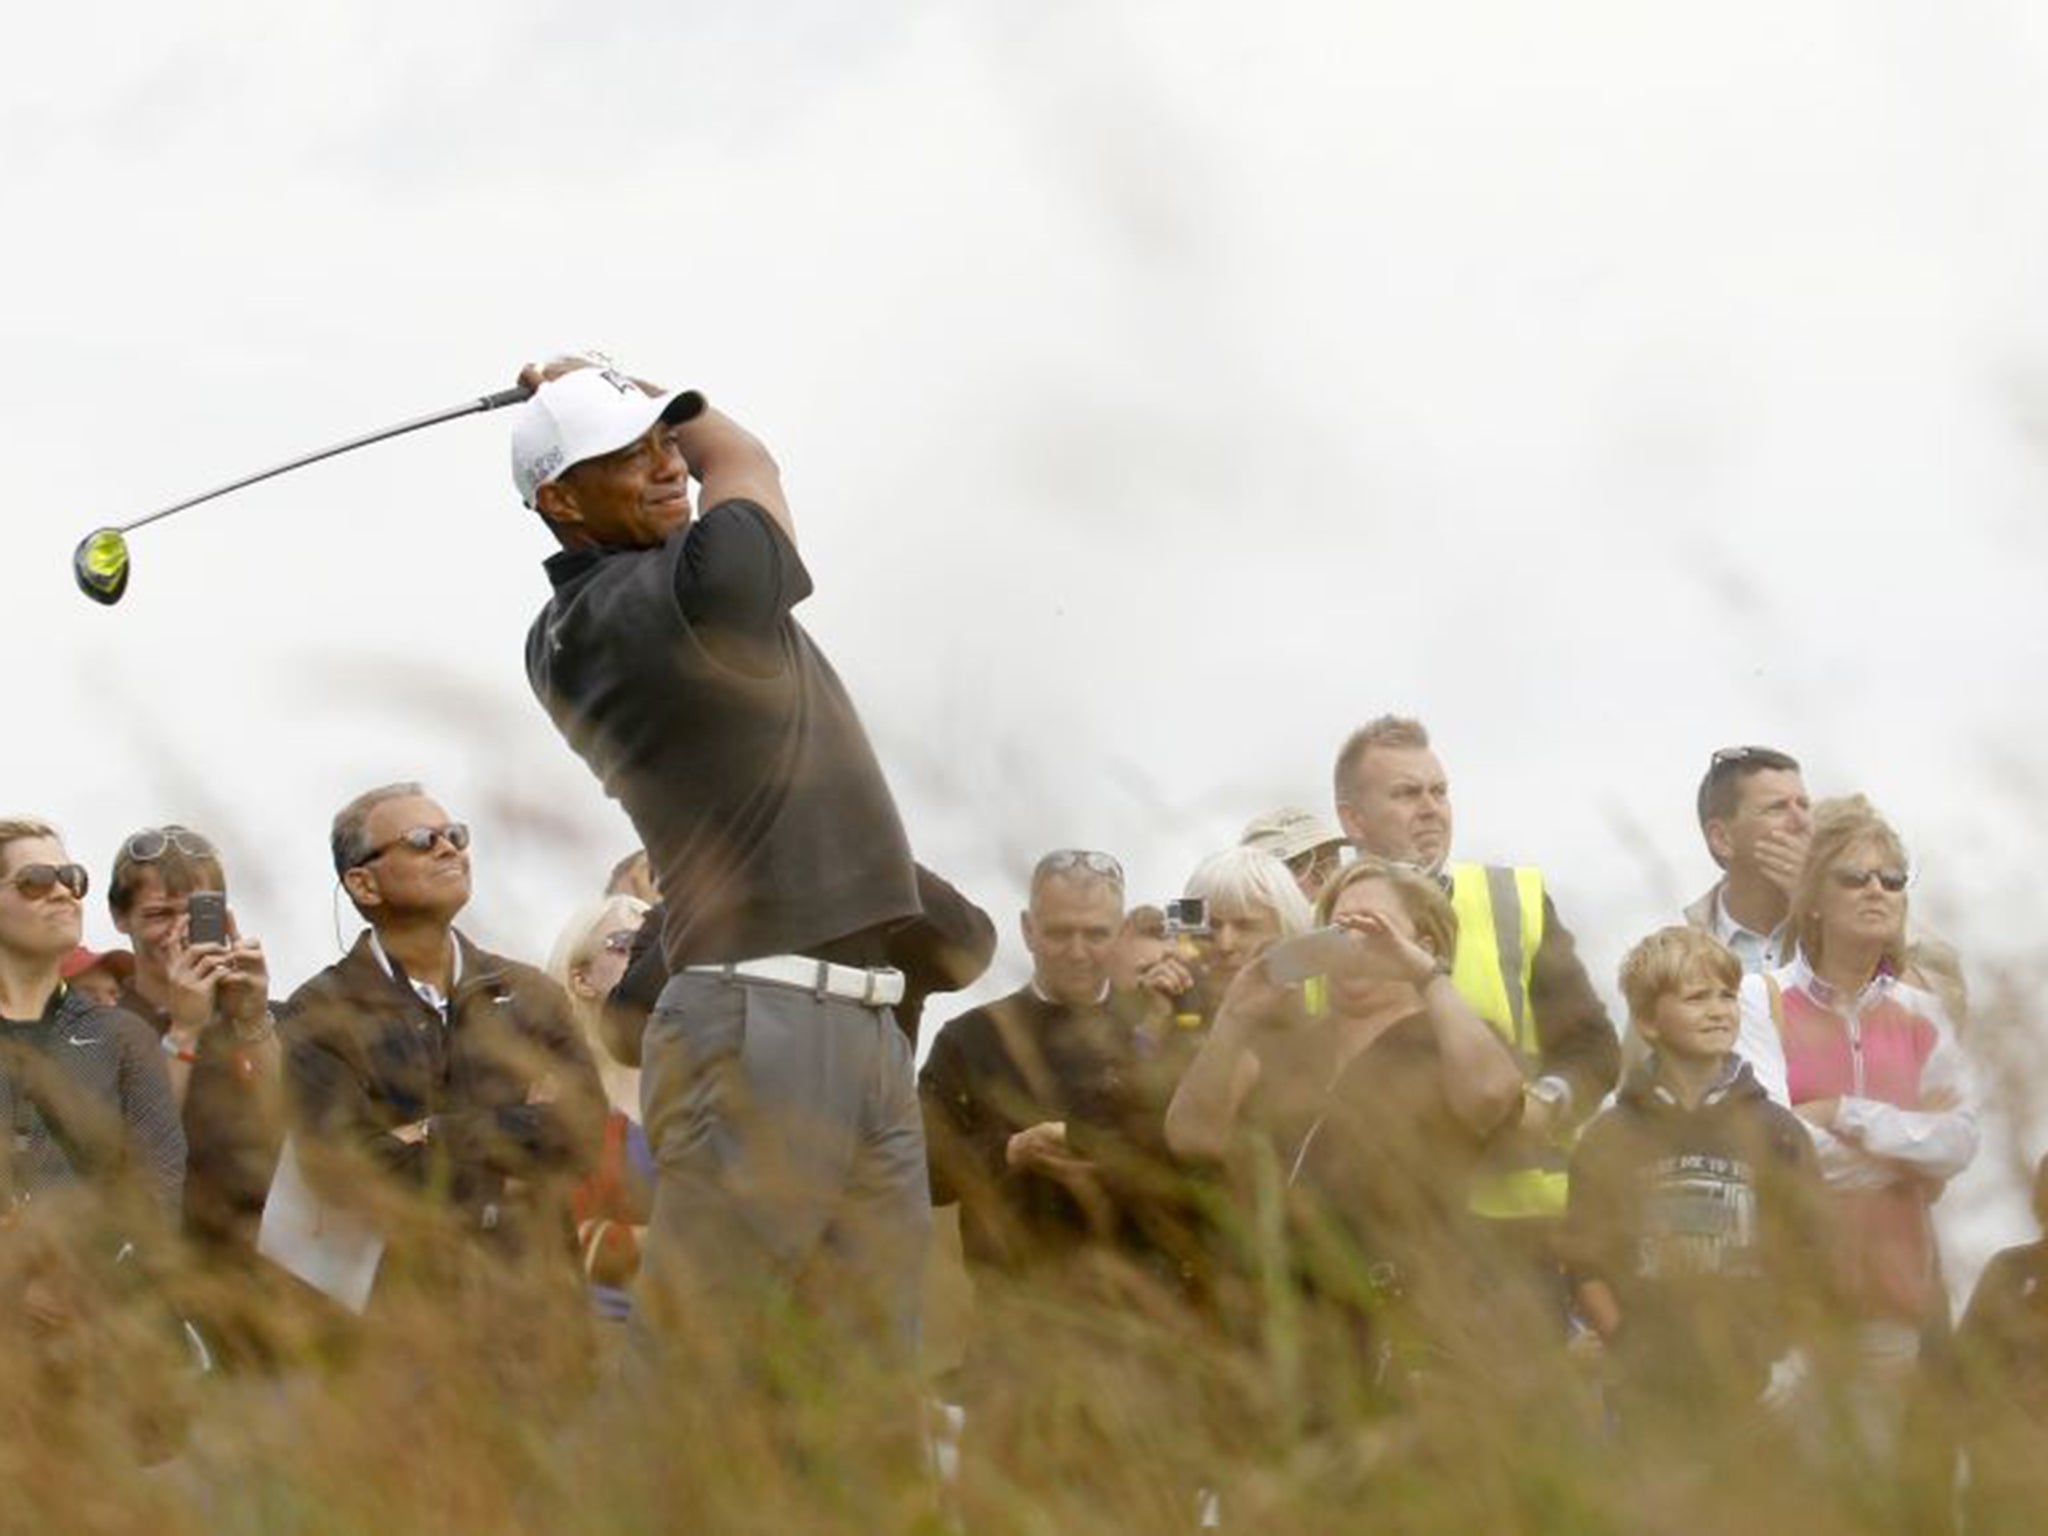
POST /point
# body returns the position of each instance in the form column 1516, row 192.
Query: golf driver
column 101, row 560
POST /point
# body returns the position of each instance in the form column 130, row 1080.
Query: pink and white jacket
column 1907, row 1122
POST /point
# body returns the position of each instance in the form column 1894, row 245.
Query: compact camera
column 1187, row 917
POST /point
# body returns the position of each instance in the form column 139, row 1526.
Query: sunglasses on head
column 35, row 881
column 1064, row 860
column 1323, row 856
column 151, row 843
column 1893, row 880
column 1729, row 758
column 419, row 840
column 620, row 940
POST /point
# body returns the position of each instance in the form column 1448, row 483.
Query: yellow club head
column 101, row 565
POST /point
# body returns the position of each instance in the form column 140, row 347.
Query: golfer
column 776, row 1089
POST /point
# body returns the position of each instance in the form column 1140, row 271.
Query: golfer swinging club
column 776, row 1089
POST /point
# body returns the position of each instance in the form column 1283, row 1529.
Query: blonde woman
column 1870, row 1062
column 1425, row 1066
column 1379, row 1105
column 611, row 1206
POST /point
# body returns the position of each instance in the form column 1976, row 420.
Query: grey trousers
column 790, row 1163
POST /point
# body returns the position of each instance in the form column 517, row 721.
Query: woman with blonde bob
column 1870, row 1062
column 612, row 1205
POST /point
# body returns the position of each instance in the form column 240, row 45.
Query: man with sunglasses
column 1757, row 820
column 427, row 1065
column 93, row 1141
column 209, row 1003
column 669, row 658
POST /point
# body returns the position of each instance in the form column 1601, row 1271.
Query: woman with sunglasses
column 84, row 1086
column 93, row 1163
column 611, row 1206
column 1869, row 1059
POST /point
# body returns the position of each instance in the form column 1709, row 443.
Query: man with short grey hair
column 1022, row 1094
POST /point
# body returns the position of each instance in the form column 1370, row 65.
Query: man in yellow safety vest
column 1516, row 963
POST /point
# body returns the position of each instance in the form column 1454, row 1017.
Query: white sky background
column 1162, row 389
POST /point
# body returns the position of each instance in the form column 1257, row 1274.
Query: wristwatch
column 1551, row 1090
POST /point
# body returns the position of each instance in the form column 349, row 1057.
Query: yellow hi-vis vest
column 1500, row 928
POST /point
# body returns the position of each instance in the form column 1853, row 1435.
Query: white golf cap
column 584, row 415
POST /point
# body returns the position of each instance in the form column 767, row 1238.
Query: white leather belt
column 848, row 983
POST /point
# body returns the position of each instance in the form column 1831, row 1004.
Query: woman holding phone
column 1376, row 1109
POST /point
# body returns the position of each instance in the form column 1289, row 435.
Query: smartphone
column 1293, row 961
column 206, row 918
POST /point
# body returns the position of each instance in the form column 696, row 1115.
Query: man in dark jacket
column 1024, row 1096
column 450, row 1072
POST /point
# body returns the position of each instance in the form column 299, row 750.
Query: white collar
column 1039, row 992
column 1726, row 928
column 427, row 991
column 1798, row 973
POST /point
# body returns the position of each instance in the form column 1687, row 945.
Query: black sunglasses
column 35, row 881
column 150, row 844
column 419, row 840
column 1893, row 880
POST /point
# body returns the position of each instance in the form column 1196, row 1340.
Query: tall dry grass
column 480, row 1395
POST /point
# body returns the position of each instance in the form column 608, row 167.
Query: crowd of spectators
column 1344, row 1129
column 1340, row 1033
column 1733, row 1240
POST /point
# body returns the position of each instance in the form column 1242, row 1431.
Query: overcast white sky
column 1162, row 389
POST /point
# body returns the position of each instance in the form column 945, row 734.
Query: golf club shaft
column 503, row 397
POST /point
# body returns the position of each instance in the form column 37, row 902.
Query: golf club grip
column 504, row 397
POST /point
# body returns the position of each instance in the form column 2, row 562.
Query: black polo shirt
column 678, row 674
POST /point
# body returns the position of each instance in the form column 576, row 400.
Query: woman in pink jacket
column 1868, row 1058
